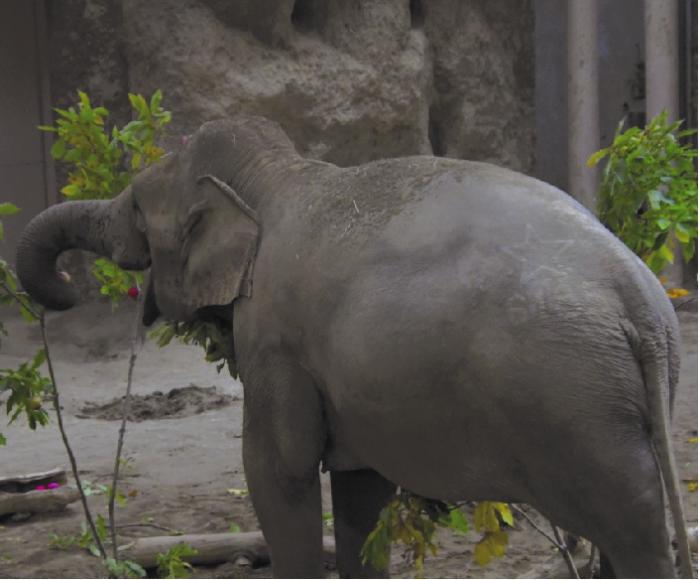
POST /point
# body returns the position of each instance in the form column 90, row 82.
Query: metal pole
column 583, row 116
column 662, row 82
column 661, row 40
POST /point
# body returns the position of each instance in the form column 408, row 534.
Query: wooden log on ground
column 211, row 548
column 15, row 483
column 50, row 500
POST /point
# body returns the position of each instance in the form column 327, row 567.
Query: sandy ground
column 184, row 449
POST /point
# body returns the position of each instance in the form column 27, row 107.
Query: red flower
column 133, row 292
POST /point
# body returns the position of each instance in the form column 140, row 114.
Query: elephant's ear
column 220, row 242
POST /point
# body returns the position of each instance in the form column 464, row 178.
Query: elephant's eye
column 140, row 220
column 194, row 217
column 192, row 222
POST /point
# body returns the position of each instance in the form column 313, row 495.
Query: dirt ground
column 184, row 450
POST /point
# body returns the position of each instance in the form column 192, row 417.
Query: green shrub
column 103, row 162
column 648, row 196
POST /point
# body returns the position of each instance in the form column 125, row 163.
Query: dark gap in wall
column 303, row 15
column 416, row 8
column 435, row 134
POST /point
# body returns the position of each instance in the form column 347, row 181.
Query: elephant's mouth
column 150, row 308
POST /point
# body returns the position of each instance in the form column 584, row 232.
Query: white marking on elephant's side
column 531, row 260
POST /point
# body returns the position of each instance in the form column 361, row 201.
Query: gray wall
column 621, row 85
column 25, row 171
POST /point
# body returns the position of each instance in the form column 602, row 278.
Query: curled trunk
column 76, row 224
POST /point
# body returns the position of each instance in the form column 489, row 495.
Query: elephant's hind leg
column 619, row 506
column 358, row 497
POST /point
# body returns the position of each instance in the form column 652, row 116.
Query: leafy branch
column 648, row 196
column 413, row 521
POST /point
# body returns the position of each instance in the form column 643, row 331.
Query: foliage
column 101, row 167
column 411, row 520
column 27, row 388
column 172, row 565
column 103, row 163
column 85, row 540
column 124, row 569
column 6, row 209
column 26, row 385
column 9, row 289
column 116, row 282
column 648, row 196
column 115, row 568
column 215, row 337
column 489, row 517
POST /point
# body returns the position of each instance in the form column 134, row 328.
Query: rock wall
column 350, row 80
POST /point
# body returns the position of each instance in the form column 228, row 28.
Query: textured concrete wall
column 350, row 81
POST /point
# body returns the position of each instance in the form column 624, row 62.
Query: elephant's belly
column 428, row 447
column 427, row 460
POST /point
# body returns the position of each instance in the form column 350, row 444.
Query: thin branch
column 564, row 551
column 172, row 531
column 555, row 540
column 126, row 407
column 21, row 301
column 66, row 444
column 678, row 306
column 535, row 527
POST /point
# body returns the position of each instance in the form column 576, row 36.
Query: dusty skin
column 182, row 462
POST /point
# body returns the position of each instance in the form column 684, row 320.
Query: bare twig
column 172, row 531
column 680, row 305
column 126, row 407
column 66, row 444
column 555, row 540
column 21, row 301
column 535, row 527
column 564, row 551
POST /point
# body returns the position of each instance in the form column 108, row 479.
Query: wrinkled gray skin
column 454, row 328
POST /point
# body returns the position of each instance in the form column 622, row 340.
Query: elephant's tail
column 655, row 366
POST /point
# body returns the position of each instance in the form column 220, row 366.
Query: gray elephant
column 450, row 327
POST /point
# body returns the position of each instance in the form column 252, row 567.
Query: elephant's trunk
column 85, row 225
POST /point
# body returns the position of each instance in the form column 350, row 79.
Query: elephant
column 444, row 326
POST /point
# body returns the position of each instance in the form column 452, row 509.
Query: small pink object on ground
column 40, row 488
column 53, row 485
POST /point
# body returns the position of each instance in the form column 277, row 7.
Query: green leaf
column 7, row 208
column 596, row 157
column 492, row 545
column 663, row 223
column 458, row 521
column 3, row 441
column 504, row 512
column 234, row 528
column 58, row 149
column 682, row 233
column 666, row 253
column 688, row 251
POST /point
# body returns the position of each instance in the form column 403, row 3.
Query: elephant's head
column 180, row 217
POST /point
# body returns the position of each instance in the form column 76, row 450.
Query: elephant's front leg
column 283, row 438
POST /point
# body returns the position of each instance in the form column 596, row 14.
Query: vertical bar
column 662, row 82
column 661, row 39
column 582, row 98
column 44, row 95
